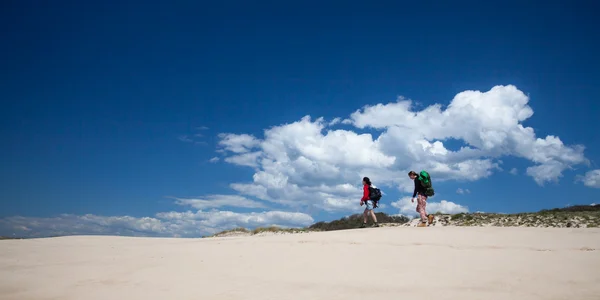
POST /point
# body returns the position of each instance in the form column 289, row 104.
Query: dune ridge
column 581, row 216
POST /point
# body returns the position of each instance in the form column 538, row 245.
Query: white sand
column 380, row 263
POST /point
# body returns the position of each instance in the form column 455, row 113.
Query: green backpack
column 425, row 180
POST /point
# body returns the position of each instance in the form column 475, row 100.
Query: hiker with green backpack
column 423, row 190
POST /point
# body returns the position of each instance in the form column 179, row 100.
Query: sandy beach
column 375, row 263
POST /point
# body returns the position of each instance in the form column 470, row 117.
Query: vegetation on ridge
column 348, row 222
column 258, row 231
column 9, row 238
column 356, row 220
column 579, row 216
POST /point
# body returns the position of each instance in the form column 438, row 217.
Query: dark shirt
column 418, row 187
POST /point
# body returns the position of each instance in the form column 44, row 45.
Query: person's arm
column 365, row 193
column 415, row 191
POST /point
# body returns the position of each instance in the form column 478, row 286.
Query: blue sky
column 112, row 111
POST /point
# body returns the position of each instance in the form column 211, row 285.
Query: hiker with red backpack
column 422, row 190
column 371, row 196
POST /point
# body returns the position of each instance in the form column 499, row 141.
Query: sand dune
column 378, row 263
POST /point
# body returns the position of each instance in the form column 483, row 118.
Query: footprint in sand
column 586, row 249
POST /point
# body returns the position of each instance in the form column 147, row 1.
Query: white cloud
column 514, row 171
column 489, row 123
column 303, row 164
column 462, row 192
column 590, row 179
column 408, row 208
column 245, row 159
column 214, row 159
column 335, row 121
column 215, row 221
column 237, row 143
column 300, row 166
column 168, row 224
column 215, row 201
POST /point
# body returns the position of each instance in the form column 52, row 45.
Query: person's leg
column 365, row 212
column 421, row 203
column 374, row 218
column 371, row 207
column 368, row 210
column 424, row 198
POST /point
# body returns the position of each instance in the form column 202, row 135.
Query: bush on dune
column 349, row 222
column 9, row 238
column 355, row 221
column 574, row 216
column 575, row 208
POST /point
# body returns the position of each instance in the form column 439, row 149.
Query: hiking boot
column 363, row 225
column 376, row 225
column 430, row 219
column 422, row 224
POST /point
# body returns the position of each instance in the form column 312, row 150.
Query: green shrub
column 459, row 216
column 356, row 220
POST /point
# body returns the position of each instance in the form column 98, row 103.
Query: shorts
column 369, row 204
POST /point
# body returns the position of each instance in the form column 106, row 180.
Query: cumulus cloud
column 514, row 171
column 165, row 224
column 489, row 123
column 409, row 208
column 590, row 179
column 335, row 121
column 309, row 163
column 244, row 159
column 299, row 166
column 237, row 143
column 216, row 201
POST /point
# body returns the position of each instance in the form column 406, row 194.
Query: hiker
column 421, row 200
column 370, row 203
